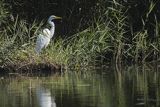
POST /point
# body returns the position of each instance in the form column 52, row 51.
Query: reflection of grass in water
column 88, row 88
column 141, row 82
column 14, row 92
column 136, row 85
column 81, row 86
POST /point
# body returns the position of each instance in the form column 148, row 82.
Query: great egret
column 44, row 38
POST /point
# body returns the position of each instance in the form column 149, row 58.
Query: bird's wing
column 40, row 43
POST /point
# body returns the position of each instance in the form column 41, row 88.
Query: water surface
column 133, row 86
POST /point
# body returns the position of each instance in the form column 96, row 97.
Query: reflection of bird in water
column 44, row 98
column 44, row 38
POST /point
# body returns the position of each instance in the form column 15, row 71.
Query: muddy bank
column 45, row 68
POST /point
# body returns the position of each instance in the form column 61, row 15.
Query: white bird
column 44, row 38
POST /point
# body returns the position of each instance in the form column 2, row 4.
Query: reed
column 109, row 35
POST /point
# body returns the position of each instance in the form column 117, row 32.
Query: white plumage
column 44, row 38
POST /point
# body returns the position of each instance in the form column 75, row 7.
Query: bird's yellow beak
column 56, row 17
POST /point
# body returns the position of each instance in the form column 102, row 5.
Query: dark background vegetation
column 79, row 13
column 75, row 13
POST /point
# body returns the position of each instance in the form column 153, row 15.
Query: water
column 130, row 87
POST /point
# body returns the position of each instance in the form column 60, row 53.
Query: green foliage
column 4, row 12
column 111, row 35
column 16, row 37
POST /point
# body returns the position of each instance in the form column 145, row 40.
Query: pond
column 133, row 86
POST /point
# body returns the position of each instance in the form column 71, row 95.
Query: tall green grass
column 16, row 38
column 110, row 36
column 4, row 12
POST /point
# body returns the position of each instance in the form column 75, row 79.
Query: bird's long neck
column 52, row 30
